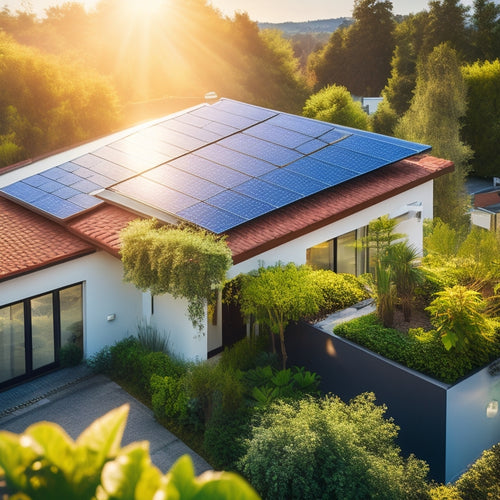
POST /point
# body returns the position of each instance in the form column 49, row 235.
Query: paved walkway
column 75, row 397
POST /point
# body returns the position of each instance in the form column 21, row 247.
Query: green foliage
column 385, row 294
column 48, row 103
column 481, row 480
column 457, row 314
column 420, row 350
column 334, row 104
column 339, row 291
column 70, row 355
column 358, row 57
column 169, row 398
column 279, row 294
column 185, row 262
column 384, row 120
column 100, row 362
column 329, row 449
column 481, row 121
column 151, row 339
column 45, row 463
column 434, row 118
column 442, row 239
column 244, row 354
column 161, row 364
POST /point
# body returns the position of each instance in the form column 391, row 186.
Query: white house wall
column 295, row 251
column 104, row 294
column 170, row 318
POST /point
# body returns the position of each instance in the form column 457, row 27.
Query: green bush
column 100, row 362
column 244, row 354
column 169, row 398
column 151, row 338
column 482, row 480
column 419, row 350
column 125, row 359
column 161, row 364
column 225, row 435
column 339, row 291
column 325, row 449
column 70, row 355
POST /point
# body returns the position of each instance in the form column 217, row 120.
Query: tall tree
column 486, row 30
column 448, row 22
column 334, row 104
column 434, row 118
column 482, row 120
column 359, row 56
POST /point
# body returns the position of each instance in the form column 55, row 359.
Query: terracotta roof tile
column 29, row 242
column 314, row 212
column 102, row 226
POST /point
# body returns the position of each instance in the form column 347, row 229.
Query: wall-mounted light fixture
column 111, row 317
column 492, row 409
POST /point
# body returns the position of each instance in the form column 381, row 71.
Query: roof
column 217, row 166
column 30, row 241
column 259, row 176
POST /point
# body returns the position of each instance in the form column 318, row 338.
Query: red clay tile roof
column 29, row 242
column 102, row 226
column 314, row 212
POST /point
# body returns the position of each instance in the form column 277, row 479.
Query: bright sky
column 259, row 10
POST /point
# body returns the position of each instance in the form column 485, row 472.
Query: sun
column 144, row 9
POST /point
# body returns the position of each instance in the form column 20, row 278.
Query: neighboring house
column 281, row 187
column 485, row 211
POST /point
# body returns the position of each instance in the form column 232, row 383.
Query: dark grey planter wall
column 415, row 402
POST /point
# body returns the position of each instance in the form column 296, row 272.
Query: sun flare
column 144, row 9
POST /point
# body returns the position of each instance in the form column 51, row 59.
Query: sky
column 274, row 11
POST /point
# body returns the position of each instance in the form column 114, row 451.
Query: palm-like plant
column 401, row 258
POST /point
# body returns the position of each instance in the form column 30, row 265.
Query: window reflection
column 12, row 356
column 42, row 331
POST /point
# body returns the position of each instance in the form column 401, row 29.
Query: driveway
column 74, row 398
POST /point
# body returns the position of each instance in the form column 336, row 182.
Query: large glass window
column 343, row 254
column 32, row 331
column 12, row 356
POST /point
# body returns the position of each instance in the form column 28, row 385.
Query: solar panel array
column 216, row 166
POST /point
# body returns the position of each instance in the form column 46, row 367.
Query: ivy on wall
column 181, row 261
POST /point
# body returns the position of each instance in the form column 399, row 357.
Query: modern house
column 281, row 187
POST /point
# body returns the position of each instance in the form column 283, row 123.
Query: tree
column 358, row 57
column 486, row 30
column 184, row 262
column 334, row 104
column 44, row 463
column 434, row 118
column 329, row 449
column 447, row 23
column 279, row 294
column 482, row 120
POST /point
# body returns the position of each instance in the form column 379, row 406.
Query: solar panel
column 220, row 128
column 336, row 155
column 184, row 182
column 263, row 150
column 294, row 182
column 243, row 109
column 35, row 180
column 311, row 146
column 192, row 120
column 103, row 167
column 191, row 130
column 120, row 158
column 312, row 128
column 134, row 146
column 267, row 193
column 65, row 192
column 23, row 192
column 55, row 173
column 236, row 203
column 210, row 217
column 235, row 160
column 206, row 169
column 50, row 186
column 58, row 207
column 216, row 115
column 321, row 172
column 155, row 195
column 277, row 135
column 334, row 136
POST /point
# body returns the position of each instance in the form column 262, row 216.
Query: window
column 343, row 254
column 33, row 330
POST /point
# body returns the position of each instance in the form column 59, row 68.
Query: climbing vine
column 181, row 261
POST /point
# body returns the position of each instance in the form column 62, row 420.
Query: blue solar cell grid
column 278, row 135
column 320, row 171
column 211, row 218
column 236, row 203
column 246, row 110
column 219, row 116
column 351, row 160
column 268, row 193
column 294, row 182
column 305, row 126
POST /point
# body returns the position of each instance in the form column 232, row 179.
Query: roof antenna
column 211, row 97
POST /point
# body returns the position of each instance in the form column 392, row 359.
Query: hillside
column 318, row 26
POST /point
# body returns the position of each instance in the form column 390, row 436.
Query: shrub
column 100, row 362
column 169, row 398
column 70, row 355
column 161, row 364
column 244, row 354
column 419, row 350
column 151, row 339
column 125, row 362
column 225, row 435
column 482, row 480
column 330, row 449
column 339, row 291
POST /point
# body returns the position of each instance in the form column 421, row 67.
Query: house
column 485, row 210
column 281, row 187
